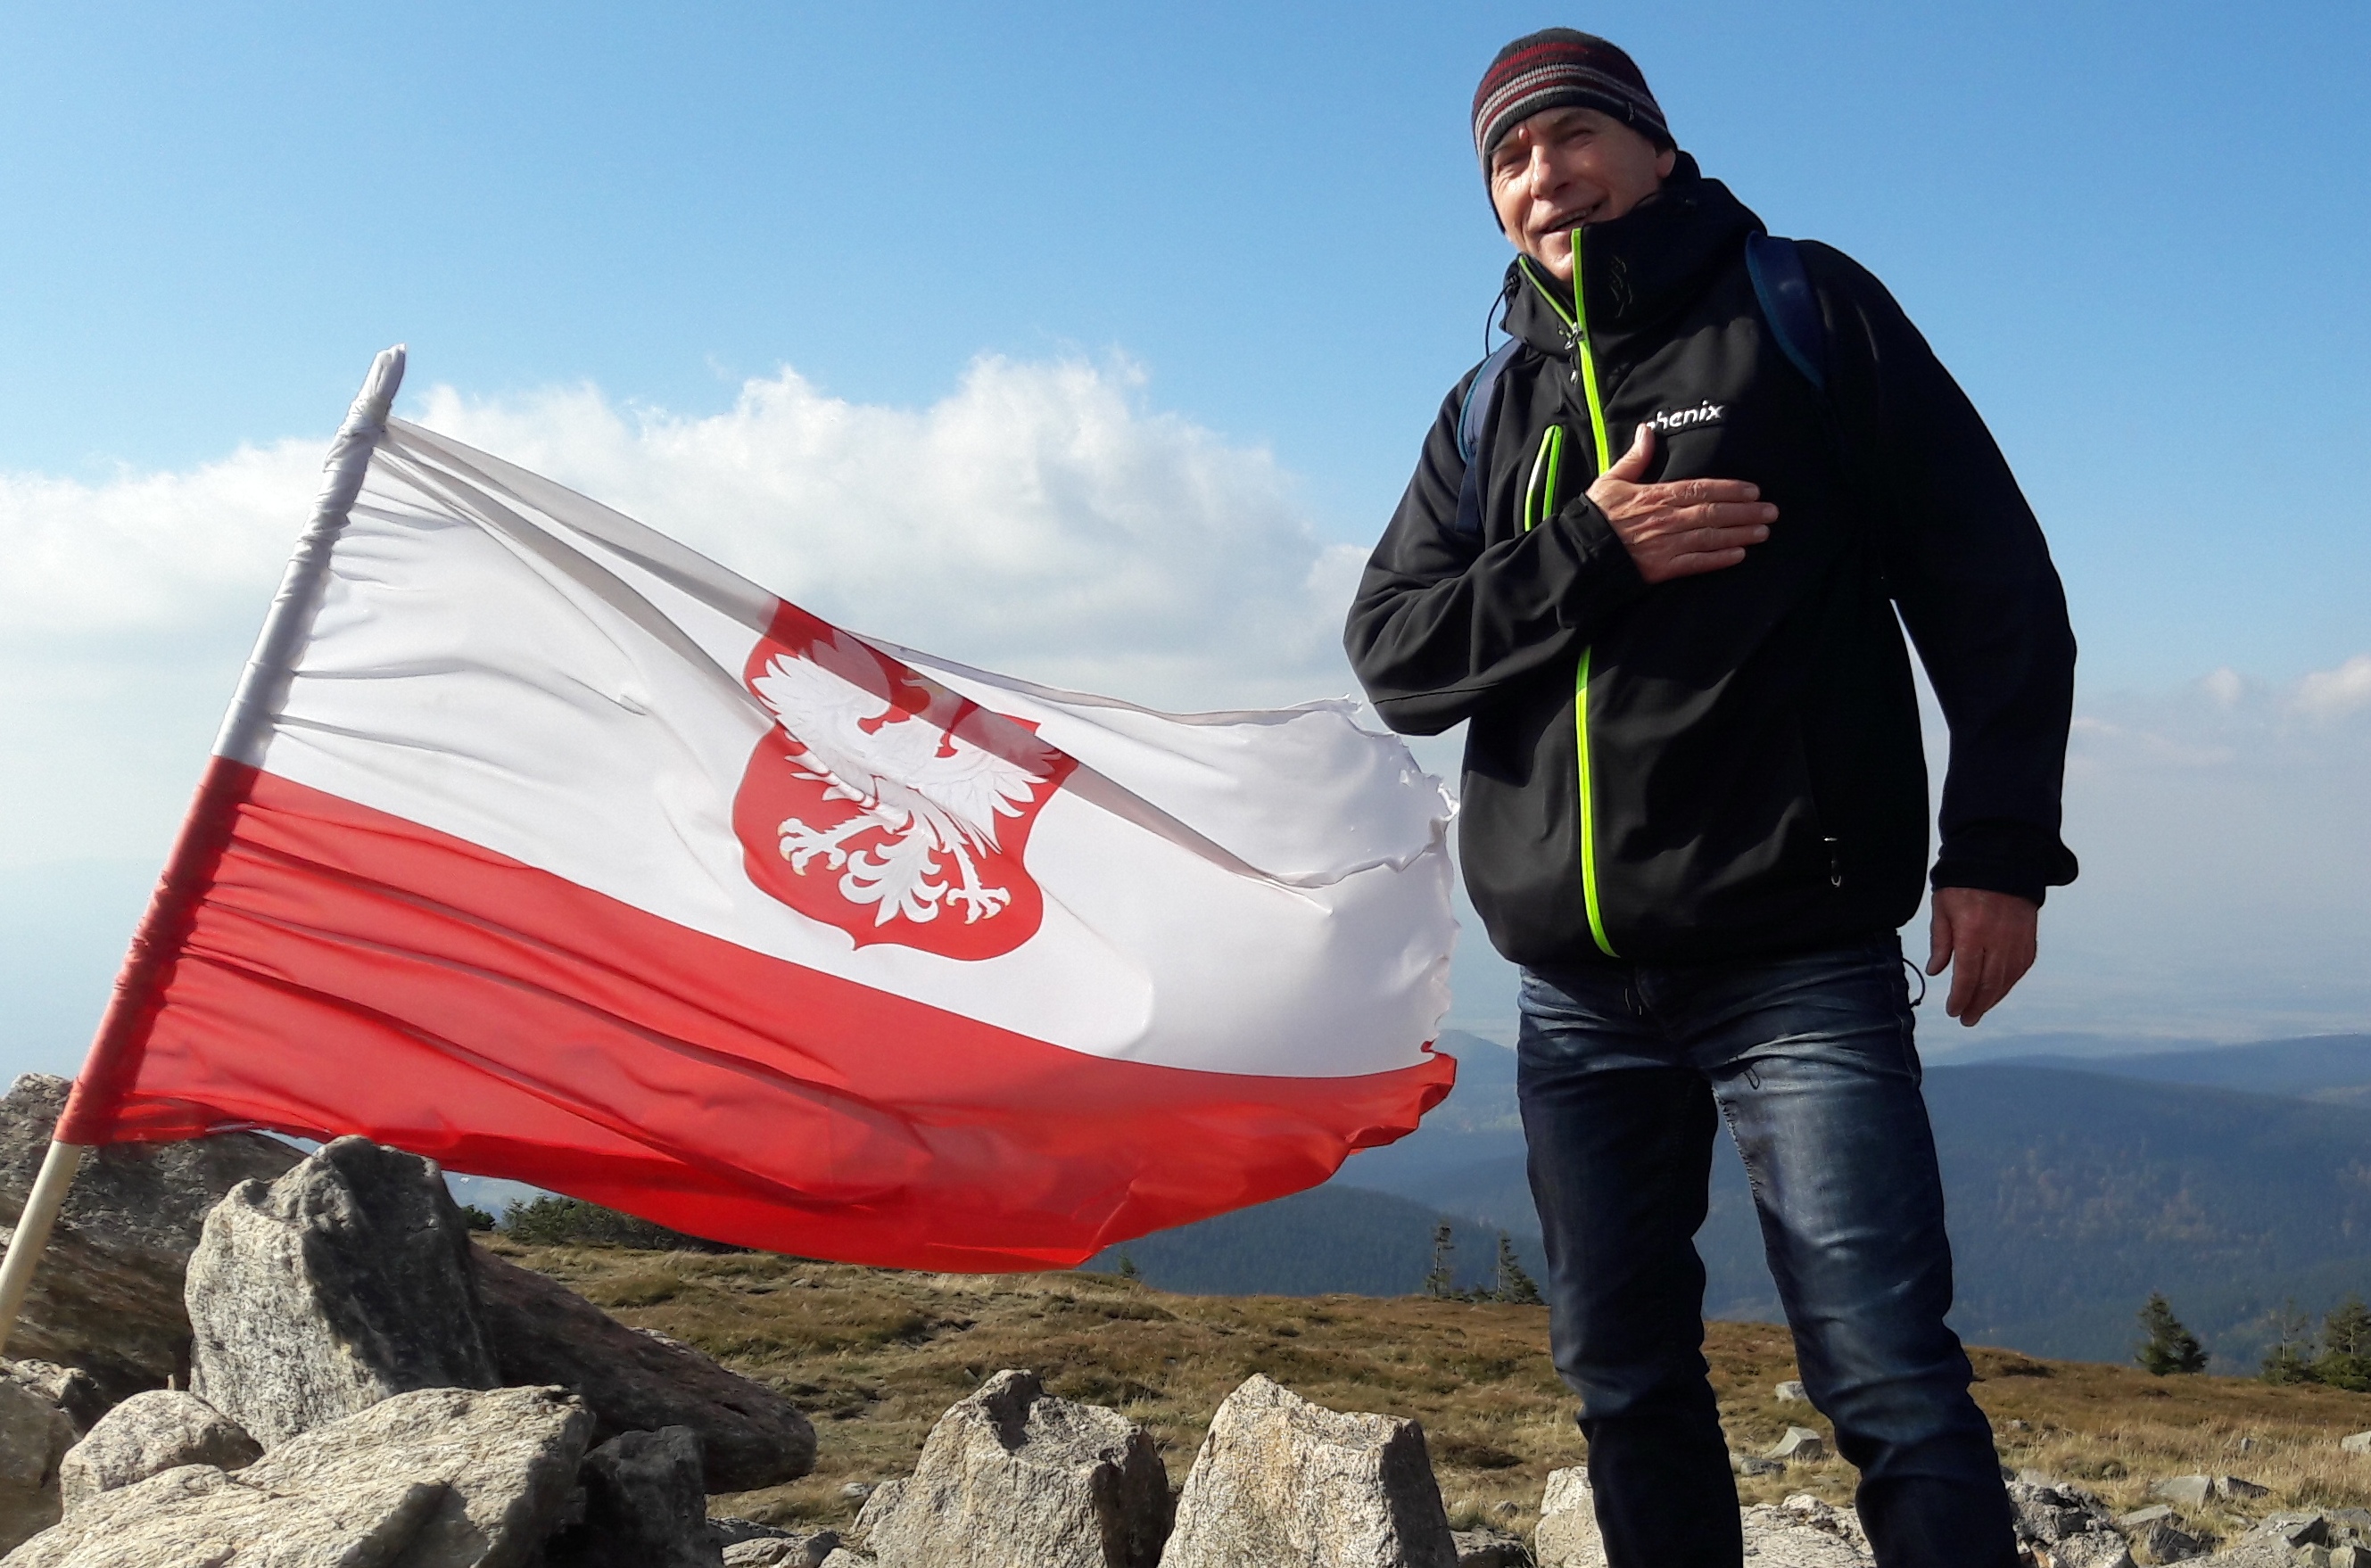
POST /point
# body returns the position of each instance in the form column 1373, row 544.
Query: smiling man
column 1657, row 555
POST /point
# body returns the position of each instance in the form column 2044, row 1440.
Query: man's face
column 1564, row 168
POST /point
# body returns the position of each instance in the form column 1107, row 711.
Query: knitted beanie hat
column 1553, row 68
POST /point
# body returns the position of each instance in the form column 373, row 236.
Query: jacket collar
column 1639, row 268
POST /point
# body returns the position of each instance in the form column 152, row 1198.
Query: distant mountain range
column 2234, row 1179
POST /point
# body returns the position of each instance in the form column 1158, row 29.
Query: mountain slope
column 2332, row 1067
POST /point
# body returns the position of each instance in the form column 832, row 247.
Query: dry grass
column 875, row 1356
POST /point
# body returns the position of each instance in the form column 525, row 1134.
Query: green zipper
column 1551, row 449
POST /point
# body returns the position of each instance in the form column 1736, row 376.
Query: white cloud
column 1038, row 520
column 2329, row 694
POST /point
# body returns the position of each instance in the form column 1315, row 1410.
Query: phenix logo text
column 1704, row 413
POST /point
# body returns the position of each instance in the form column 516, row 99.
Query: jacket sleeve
column 1966, row 565
column 1443, row 622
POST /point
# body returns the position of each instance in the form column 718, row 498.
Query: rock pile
column 355, row 1400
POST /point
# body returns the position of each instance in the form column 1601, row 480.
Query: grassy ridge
column 875, row 1356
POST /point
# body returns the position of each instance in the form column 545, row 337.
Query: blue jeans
column 1624, row 1074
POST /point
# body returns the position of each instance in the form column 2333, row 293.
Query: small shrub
column 475, row 1219
column 569, row 1222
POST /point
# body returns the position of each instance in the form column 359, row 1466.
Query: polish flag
column 540, row 845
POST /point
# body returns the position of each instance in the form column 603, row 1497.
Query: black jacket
column 1729, row 764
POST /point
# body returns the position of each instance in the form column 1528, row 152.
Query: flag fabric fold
column 544, row 847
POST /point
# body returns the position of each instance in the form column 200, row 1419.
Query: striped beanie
column 1555, row 67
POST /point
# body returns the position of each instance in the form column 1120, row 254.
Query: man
column 1694, row 795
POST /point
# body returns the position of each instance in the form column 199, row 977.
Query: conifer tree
column 2345, row 1359
column 1127, row 1269
column 2169, row 1348
column 1514, row 1284
column 2292, row 1359
column 1441, row 1280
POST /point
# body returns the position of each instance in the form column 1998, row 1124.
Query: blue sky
column 2140, row 234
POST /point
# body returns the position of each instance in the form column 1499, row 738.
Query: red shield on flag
column 885, row 804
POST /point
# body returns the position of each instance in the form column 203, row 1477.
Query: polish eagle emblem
column 885, row 803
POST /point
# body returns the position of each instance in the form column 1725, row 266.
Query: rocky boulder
column 35, row 1437
column 107, row 1297
column 504, row 1461
column 541, row 1332
column 1279, row 1480
column 1566, row 1535
column 644, row 1507
column 1014, row 1477
column 196, row 1516
column 1804, row 1532
column 345, row 1281
column 148, row 1435
column 1486, row 1548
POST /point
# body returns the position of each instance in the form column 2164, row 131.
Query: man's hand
column 1682, row 529
column 1988, row 941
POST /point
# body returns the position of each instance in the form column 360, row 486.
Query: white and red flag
column 538, row 844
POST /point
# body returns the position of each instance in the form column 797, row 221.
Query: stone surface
column 1282, row 1481
column 2356, row 1443
column 506, row 1461
column 1804, row 1532
column 2297, row 1529
column 543, row 1333
column 1567, row 1535
column 196, row 1516
column 345, row 1281
column 1014, row 1477
column 2192, row 1490
column 1751, row 1464
column 844, row 1557
column 1801, row 1446
column 2164, row 1540
column 1791, row 1392
column 148, row 1435
column 2096, row 1549
column 107, row 1296
column 783, row 1551
column 70, row 1389
column 2049, row 1512
column 35, row 1437
column 1486, row 1548
column 645, row 1506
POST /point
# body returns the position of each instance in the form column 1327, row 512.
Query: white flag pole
column 197, row 850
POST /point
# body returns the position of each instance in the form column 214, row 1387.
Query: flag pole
column 113, row 1060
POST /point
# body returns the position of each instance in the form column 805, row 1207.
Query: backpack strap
column 1784, row 289
column 1472, row 418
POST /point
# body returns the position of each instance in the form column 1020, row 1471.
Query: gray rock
column 148, row 1435
column 785, row 1550
column 1750, row 1464
column 2356, row 1443
column 2163, row 1538
column 2296, row 1528
column 70, row 1389
column 2093, row 1548
column 2054, row 1512
column 1486, row 1548
column 726, row 1530
column 196, row 1516
column 543, row 1333
column 1804, row 1532
column 107, row 1296
column 1566, row 1535
column 344, row 1281
column 1801, row 1446
column 35, row 1437
column 1279, row 1480
column 843, row 1557
column 506, row 1460
column 645, row 1506
column 1791, row 1392
column 1014, row 1477
column 2190, row 1491
column 2140, row 1518
column 2345, row 1556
